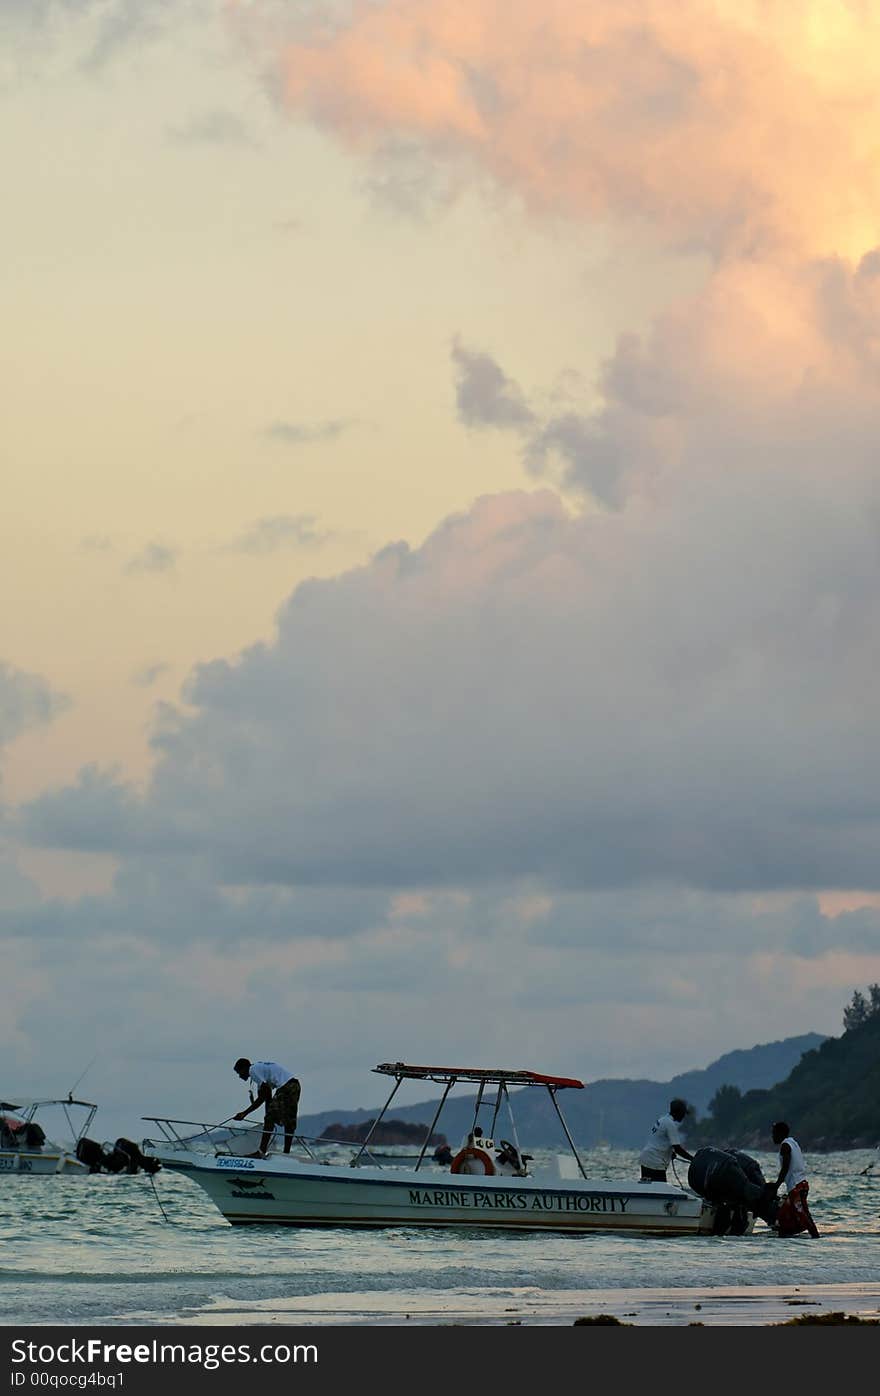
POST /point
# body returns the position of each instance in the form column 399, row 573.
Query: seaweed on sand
column 607, row 1319
column 837, row 1317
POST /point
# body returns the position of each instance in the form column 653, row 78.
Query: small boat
column 484, row 1185
column 24, row 1147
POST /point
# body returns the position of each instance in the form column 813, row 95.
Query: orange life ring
column 470, row 1152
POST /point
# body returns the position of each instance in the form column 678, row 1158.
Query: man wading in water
column 281, row 1107
column 794, row 1214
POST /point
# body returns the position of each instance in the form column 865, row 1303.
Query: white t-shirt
column 658, row 1149
column 797, row 1169
column 269, row 1073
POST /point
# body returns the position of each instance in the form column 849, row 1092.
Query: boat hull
column 286, row 1193
column 40, row 1163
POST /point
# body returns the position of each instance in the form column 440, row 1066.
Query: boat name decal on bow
column 518, row 1201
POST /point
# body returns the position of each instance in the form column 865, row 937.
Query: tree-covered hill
column 831, row 1099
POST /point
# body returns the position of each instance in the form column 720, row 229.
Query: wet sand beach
column 728, row 1306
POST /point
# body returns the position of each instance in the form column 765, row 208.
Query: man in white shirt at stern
column 663, row 1144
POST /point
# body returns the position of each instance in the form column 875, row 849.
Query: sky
column 441, row 537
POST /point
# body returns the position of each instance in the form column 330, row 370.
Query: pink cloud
column 729, row 124
column 745, row 129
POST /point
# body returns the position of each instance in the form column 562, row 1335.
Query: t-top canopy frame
column 490, row 1076
column 33, row 1108
column 450, row 1076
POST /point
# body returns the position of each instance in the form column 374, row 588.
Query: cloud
column 571, row 445
column 678, row 692
column 99, row 806
column 405, row 178
column 155, row 557
column 169, row 962
column 100, row 31
column 708, row 120
column 302, row 433
column 146, row 677
column 279, row 532
column 217, row 127
column 485, row 396
column 26, row 701
column 626, row 698
column 162, row 901
column 703, row 126
column 124, row 23
column 771, row 369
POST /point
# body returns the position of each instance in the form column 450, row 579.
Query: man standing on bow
column 279, row 1091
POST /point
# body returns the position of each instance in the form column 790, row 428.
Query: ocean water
column 97, row 1250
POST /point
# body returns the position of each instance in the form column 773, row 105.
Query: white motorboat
column 24, row 1147
column 483, row 1186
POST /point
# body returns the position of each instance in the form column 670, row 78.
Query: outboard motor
column 135, row 1158
column 116, row 1160
column 123, row 1157
column 734, row 1182
column 749, row 1166
column 91, row 1154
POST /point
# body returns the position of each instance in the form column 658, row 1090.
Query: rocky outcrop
column 388, row 1132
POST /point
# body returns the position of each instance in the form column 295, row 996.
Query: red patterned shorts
column 794, row 1214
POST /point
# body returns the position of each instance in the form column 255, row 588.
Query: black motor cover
column 732, row 1178
column 91, row 1154
column 749, row 1166
column 124, row 1157
column 135, row 1158
column 117, row 1161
